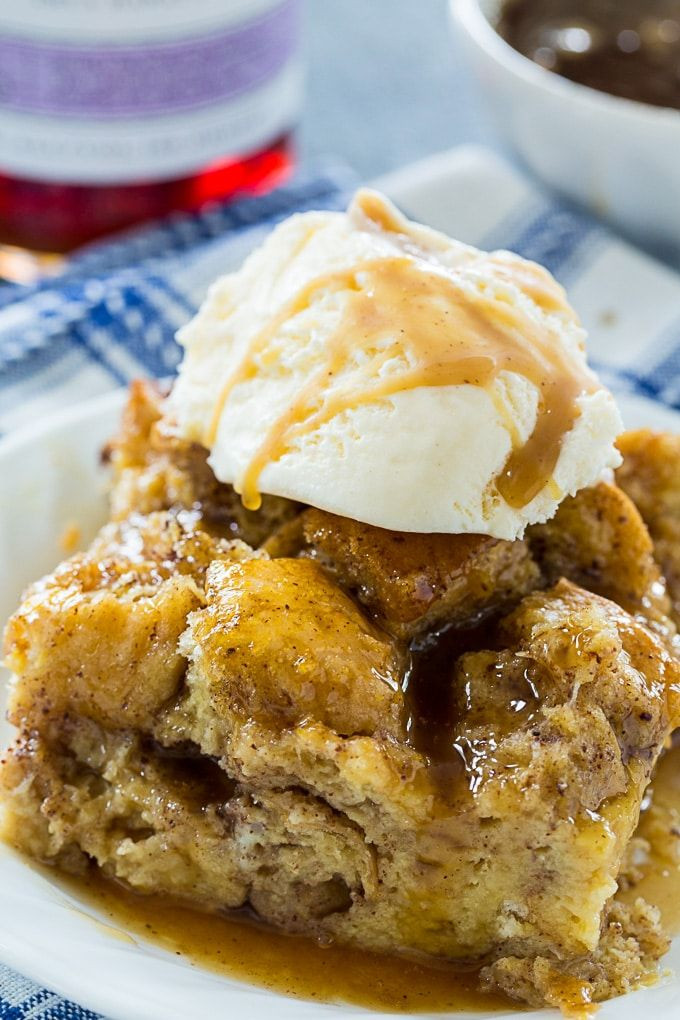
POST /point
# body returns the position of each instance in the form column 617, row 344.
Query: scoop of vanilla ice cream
column 423, row 459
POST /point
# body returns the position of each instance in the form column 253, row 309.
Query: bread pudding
column 434, row 743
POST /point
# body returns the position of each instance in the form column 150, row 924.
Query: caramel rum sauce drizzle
column 447, row 335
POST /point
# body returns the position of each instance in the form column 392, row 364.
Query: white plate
column 52, row 479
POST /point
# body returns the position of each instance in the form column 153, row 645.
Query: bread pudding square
column 231, row 727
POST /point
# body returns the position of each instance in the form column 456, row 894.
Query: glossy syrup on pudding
column 430, row 694
column 449, row 334
column 440, row 705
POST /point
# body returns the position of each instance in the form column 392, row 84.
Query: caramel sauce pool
column 238, row 947
column 660, row 827
column 410, row 321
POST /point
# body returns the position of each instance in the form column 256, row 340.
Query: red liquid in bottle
column 55, row 217
column 125, row 112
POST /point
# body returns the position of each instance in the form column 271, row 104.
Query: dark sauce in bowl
column 628, row 48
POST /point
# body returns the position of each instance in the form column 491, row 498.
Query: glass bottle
column 113, row 112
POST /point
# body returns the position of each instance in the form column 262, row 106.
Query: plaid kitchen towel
column 113, row 314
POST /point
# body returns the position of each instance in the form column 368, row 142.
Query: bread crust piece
column 650, row 475
column 99, row 636
column 280, row 643
column 598, row 539
column 631, row 937
column 412, row 583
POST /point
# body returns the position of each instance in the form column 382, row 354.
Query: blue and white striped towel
column 113, row 314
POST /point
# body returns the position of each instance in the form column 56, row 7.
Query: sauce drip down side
column 444, row 721
column 237, row 946
column 430, row 695
column 658, row 878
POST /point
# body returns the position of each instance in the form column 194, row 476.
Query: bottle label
column 110, row 111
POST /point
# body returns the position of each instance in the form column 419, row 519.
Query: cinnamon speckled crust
column 75, row 641
column 650, row 475
column 321, row 658
column 598, row 539
column 99, row 636
column 415, row 583
column 230, row 726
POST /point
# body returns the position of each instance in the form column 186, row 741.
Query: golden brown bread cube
column 279, row 642
column 598, row 539
column 99, row 636
column 650, row 475
column 568, row 643
column 154, row 469
column 412, row 583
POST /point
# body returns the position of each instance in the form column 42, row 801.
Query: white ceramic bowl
column 618, row 157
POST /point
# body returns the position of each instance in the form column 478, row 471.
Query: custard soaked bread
column 426, row 744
